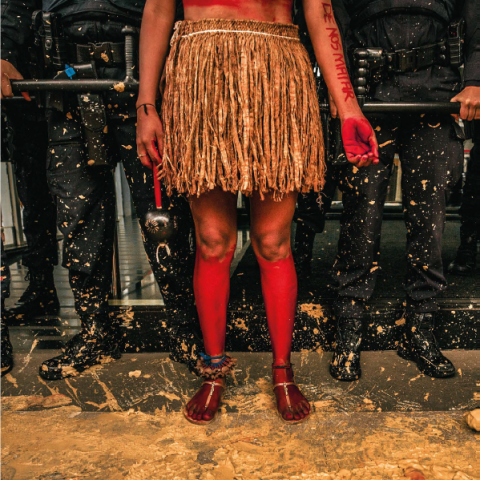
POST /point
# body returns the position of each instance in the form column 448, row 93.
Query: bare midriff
column 278, row 11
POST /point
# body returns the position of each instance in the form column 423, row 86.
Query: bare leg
column 215, row 215
column 270, row 233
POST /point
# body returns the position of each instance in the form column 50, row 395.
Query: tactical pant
column 470, row 209
column 86, row 202
column 29, row 142
column 431, row 158
column 4, row 274
column 312, row 208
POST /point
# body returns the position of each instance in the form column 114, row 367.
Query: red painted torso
column 262, row 10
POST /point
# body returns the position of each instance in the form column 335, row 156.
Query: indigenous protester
column 240, row 114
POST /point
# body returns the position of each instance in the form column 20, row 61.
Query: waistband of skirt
column 213, row 26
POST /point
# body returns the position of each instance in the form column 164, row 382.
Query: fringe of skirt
column 240, row 111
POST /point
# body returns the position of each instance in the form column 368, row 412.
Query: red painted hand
column 359, row 141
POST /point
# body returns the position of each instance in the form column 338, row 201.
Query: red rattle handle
column 158, row 192
column 156, row 180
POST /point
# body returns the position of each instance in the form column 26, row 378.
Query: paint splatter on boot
column 40, row 297
column 97, row 343
column 418, row 343
column 345, row 364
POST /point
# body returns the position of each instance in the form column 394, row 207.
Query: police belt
column 111, row 54
column 403, row 61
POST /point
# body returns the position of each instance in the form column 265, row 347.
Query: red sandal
column 285, row 385
column 212, row 372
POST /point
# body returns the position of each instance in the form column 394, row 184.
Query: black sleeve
column 16, row 27
column 471, row 14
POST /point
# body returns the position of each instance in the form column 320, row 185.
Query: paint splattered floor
column 124, row 420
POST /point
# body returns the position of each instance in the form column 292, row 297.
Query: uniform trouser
column 312, row 207
column 30, row 139
column 470, row 209
column 86, row 212
column 431, row 159
column 4, row 274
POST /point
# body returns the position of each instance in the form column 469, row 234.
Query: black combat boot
column 7, row 351
column 98, row 342
column 466, row 259
column 40, row 297
column 304, row 238
column 418, row 344
column 345, row 364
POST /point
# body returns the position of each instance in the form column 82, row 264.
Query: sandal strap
column 282, row 367
column 212, row 390
column 285, row 390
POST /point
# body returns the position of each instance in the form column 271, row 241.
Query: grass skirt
column 240, row 110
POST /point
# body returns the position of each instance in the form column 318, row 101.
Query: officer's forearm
column 157, row 24
column 328, row 48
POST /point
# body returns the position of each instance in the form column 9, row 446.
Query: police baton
column 405, row 107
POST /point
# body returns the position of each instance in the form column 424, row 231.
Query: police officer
column 26, row 130
column 27, row 134
column 415, row 36
column 93, row 35
column 466, row 258
column 6, row 347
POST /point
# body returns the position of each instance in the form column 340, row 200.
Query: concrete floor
column 124, row 420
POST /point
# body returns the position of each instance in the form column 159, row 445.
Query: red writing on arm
column 340, row 67
column 328, row 13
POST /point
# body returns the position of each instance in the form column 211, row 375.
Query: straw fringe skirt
column 240, row 110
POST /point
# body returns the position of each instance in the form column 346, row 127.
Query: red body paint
column 211, row 285
column 279, row 289
column 358, row 138
column 328, row 13
column 340, row 66
column 260, row 10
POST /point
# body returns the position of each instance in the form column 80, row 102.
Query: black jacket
column 406, row 24
column 17, row 33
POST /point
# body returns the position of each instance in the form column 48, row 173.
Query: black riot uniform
column 84, row 193
column 6, row 347
column 26, row 130
column 431, row 156
column 26, row 127
column 466, row 258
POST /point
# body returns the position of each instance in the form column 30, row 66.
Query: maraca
column 159, row 224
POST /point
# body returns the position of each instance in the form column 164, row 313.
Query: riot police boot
column 466, row 259
column 40, row 297
column 98, row 342
column 418, row 343
column 345, row 364
column 303, row 252
column 7, row 350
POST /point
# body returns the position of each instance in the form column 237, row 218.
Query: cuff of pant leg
column 349, row 308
